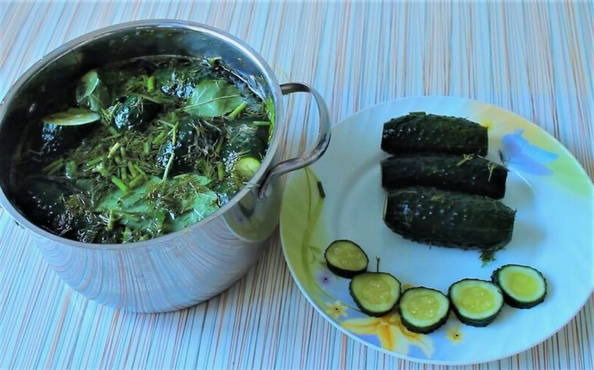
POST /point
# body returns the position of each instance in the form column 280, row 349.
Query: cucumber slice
column 345, row 258
column 376, row 293
column 423, row 310
column 72, row 117
column 522, row 286
column 476, row 302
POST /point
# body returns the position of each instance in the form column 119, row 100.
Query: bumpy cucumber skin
column 445, row 171
column 449, row 219
column 468, row 321
column 347, row 274
column 424, row 329
column 421, row 132
column 373, row 313
column 511, row 300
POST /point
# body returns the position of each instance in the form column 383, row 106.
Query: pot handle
column 319, row 148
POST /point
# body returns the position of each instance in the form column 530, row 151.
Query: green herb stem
column 237, row 111
column 220, row 171
column 174, row 134
column 110, row 221
column 137, row 167
column 220, row 144
column 53, row 167
column 146, row 148
column 70, row 169
column 113, row 149
column 136, row 181
column 150, row 83
column 490, row 167
column 168, row 124
column 110, row 137
column 120, row 184
column 261, row 123
column 102, row 170
column 132, row 170
column 159, row 138
column 168, row 167
column 465, row 158
column 94, row 161
column 153, row 99
column 126, row 234
column 124, row 173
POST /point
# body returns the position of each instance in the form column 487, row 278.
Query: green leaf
column 72, row 117
column 204, row 205
column 184, row 199
column 178, row 81
column 132, row 201
column 91, row 92
column 213, row 98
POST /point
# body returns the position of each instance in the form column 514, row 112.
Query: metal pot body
column 179, row 269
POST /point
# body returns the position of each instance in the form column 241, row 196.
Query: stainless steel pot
column 186, row 267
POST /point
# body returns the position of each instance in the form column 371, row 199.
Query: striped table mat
column 533, row 58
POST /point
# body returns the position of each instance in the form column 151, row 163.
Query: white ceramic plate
column 553, row 233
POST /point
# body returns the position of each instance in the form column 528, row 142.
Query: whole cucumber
column 449, row 218
column 464, row 173
column 421, row 132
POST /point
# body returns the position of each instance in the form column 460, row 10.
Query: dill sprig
column 465, row 158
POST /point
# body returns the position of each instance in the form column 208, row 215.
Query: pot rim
column 92, row 36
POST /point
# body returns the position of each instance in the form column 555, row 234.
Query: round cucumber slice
column 522, row 286
column 376, row 293
column 345, row 258
column 476, row 302
column 423, row 310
